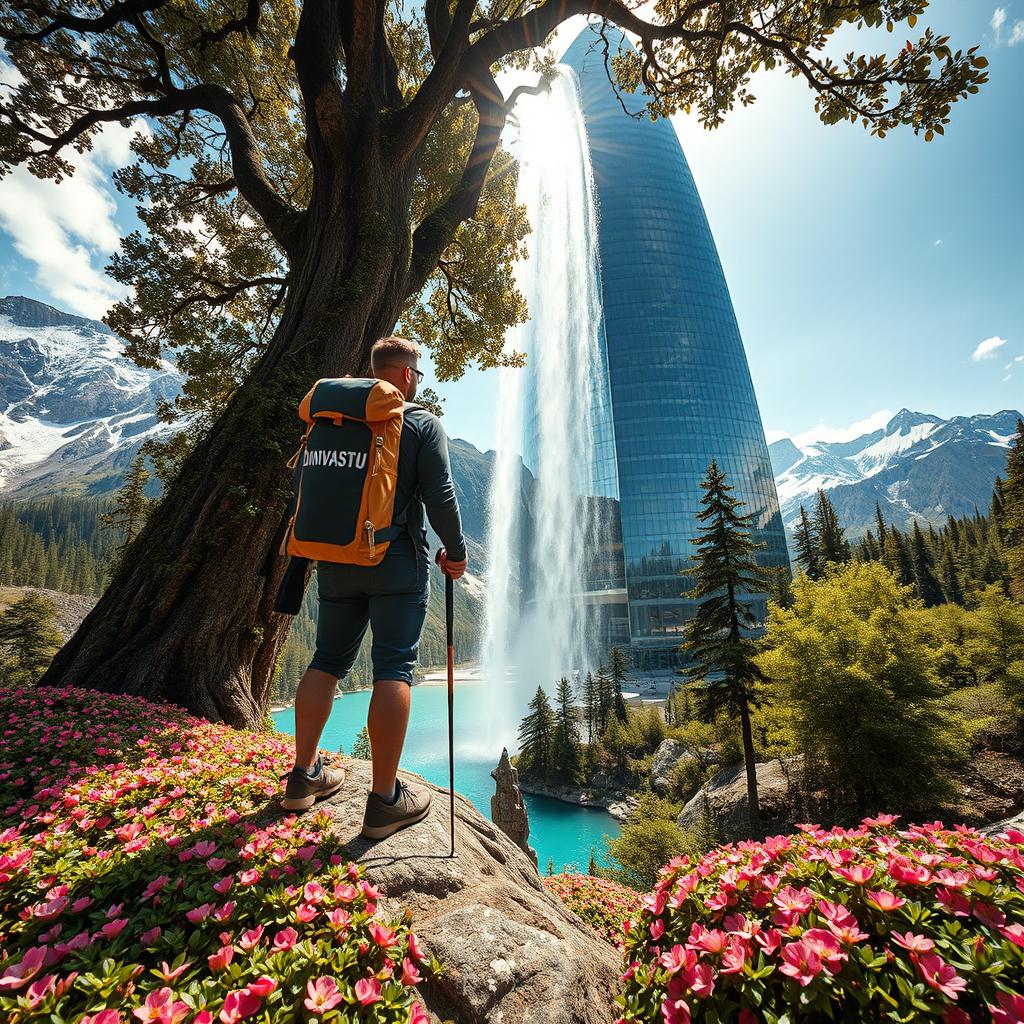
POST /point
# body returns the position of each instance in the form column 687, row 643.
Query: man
column 392, row 599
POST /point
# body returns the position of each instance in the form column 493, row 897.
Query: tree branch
column 123, row 10
column 281, row 219
column 437, row 230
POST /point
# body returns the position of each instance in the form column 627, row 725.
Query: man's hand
column 450, row 568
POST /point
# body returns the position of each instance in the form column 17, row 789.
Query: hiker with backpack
column 370, row 463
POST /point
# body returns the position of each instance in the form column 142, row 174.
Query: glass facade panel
column 680, row 389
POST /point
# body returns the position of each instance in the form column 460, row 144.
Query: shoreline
column 617, row 805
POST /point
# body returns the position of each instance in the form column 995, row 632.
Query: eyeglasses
column 419, row 373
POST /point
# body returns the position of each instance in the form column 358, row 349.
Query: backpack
column 346, row 471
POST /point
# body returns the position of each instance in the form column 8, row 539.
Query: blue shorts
column 390, row 598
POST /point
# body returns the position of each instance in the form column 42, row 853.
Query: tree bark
column 189, row 618
column 753, row 805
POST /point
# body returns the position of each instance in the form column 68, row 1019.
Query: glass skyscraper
column 680, row 388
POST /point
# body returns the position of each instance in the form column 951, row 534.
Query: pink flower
column 410, row 973
column 172, row 974
column 251, row 938
column 677, row 959
column 249, row 877
column 160, row 1006
column 675, row 1011
column 711, row 940
column 955, row 902
column 800, row 962
column 796, row 900
column 306, row 912
column 1009, row 1009
column 23, row 972
column 262, row 986
column 239, row 1005
column 285, row 939
column 702, row 981
column 322, row 995
column 940, row 975
column 219, row 961
column 657, row 928
column 882, row 820
column 989, row 915
column 339, row 918
column 384, row 937
column 418, row 1015
column 148, row 939
column 1015, row 933
column 915, row 943
column 224, row 885
column 112, row 929
column 367, row 990
column 102, row 1017
column 884, row 900
column 769, row 940
column 859, row 874
column 39, row 990
column 734, row 956
column 314, row 892
column 199, row 914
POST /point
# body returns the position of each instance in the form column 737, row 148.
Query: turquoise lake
column 559, row 831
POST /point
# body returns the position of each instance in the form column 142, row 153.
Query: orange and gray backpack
column 346, row 471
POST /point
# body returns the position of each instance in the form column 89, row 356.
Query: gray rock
column 726, row 792
column 668, row 754
column 508, row 811
column 513, row 954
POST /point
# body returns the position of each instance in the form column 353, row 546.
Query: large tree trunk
column 190, row 616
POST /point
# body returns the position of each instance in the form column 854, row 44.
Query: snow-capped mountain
column 917, row 466
column 73, row 410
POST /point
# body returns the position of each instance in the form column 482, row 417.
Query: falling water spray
column 540, row 527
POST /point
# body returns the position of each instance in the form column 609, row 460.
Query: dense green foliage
column 29, row 638
column 854, row 687
column 55, row 543
column 129, row 512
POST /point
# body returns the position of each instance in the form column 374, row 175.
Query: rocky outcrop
column 512, row 953
column 666, row 757
column 617, row 802
column 508, row 811
column 71, row 608
column 726, row 793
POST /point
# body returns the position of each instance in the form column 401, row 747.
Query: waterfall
column 535, row 628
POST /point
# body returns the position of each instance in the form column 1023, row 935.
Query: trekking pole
column 449, row 617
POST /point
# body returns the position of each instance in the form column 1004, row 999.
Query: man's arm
column 438, row 490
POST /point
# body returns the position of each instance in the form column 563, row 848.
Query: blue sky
column 867, row 274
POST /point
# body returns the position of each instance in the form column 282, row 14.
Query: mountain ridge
column 919, row 466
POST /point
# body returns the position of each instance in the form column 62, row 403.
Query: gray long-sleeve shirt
column 425, row 482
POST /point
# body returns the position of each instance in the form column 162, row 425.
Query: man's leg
column 313, row 702
column 386, row 723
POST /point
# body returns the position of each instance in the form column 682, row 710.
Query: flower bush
column 143, row 877
column 604, row 905
column 868, row 924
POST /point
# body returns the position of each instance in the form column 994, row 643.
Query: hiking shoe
column 302, row 792
column 382, row 818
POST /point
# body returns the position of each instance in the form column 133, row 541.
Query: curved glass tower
column 680, row 389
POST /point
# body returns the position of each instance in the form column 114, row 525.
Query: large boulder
column 512, row 953
column 666, row 757
column 726, row 794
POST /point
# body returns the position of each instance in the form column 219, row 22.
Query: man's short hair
column 393, row 351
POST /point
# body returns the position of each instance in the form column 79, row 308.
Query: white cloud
column 987, row 349
column 823, row 432
column 937, row 242
column 998, row 20
column 771, row 436
column 1018, row 359
column 1016, row 33
column 1006, row 378
column 69, row 230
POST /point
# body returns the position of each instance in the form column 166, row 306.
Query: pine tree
column 536, row 738
column 880, row 525
column 28, row 639
column 361, row 748
column 718, row 636
column 897, row 557
column 130, row 511
column 605, row 696
column 591, row 706
column 950, row 577
column 807, row 546
column 832, row 544
column 566, row 742
column 1013, row 513
column 926, row 585
column 619, row 669
column 997, row 507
